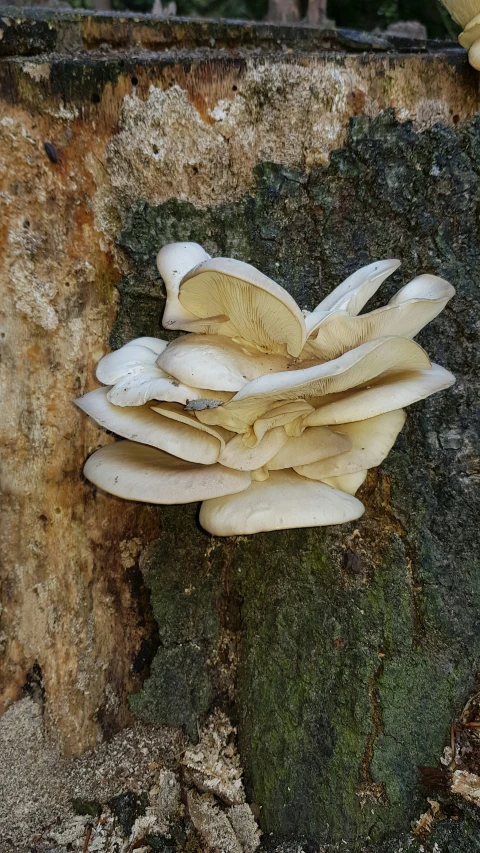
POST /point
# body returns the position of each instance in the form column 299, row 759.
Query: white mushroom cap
column 141, row 424
column 313, row 444
column 129, row 360
column 407, row 313
column 237, row 455
column 152, row 384
column 357, row 289
column 141, row 473
column 259, row 311
column 174, row 260
column 216, row 361
column 155, row 344
column 353, row 368
column 371, row 441
column 280, row 414
column 176, row 413
column 283, row 501
column 384, row 395
column 349, row 483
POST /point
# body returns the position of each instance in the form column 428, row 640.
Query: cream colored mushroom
column 312, row 445
column 384, row 395
column 141, row 424
column 217, row 362
column 467, row 14
column 141, row 473
column 406, row 314
column 349, row 483
column 371, row 441
column 259, row 312
column 237, row 455
column 174, row 260
column 385, row 356
column 353, row 293
column 284, row 500
column 129, row 360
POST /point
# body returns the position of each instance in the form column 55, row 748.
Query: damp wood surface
column 341, row 655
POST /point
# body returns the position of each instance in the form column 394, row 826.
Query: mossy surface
column 343, row 654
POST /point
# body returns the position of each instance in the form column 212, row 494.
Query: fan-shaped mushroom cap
column 315, row 443
column 129, row 360
column 141, row 424
column 407, row 313
column 385, row 356
column 371, row 442
column 176, row 413
column 259, row 311
column 141, row 473
column 155, row 344
column 152, row 384
column 384, row 395
column 357, row 289
column 174, row 260
column 280, row 414
column 284, row 500
column 237, row 455
column 216, row 361
column 349, row 483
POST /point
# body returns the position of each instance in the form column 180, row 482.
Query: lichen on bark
column 343, row 654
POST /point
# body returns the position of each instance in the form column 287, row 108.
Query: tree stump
column 341, row 655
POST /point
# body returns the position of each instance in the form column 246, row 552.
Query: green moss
column 349, row 653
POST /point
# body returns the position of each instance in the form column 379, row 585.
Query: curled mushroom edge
column 269, row 415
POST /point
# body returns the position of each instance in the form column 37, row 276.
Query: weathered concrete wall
column 342, row 655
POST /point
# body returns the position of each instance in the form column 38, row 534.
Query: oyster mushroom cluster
column 269, row 417
column 467, row 14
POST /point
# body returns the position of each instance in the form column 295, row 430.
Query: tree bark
column 342, row 655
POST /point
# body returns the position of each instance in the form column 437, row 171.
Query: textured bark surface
column 342, row 655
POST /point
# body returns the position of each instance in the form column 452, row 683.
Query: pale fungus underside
column 467, row 14
column 269, row 417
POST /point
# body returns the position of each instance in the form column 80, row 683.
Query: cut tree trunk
column 342, row 655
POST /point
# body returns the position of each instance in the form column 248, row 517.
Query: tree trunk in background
column 317, row 13
column 342, row 655
column 283, row 11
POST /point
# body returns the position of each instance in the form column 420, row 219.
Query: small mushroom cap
column 285, row 500
column 152, row 384
column 141, row 424
column 356, row 367
column 474, row 52
column 349, row 483
column 407, row 313
column 177, row 413
column 129, row 360
column 259, row 311
column 237, row 455
column 155, row 344
column 313, row 444
column 280, row 414
column 371, row 441
column 357, row 289
column 216, row 361
column 174, row 260
column 384, row 395
column 141, row 473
